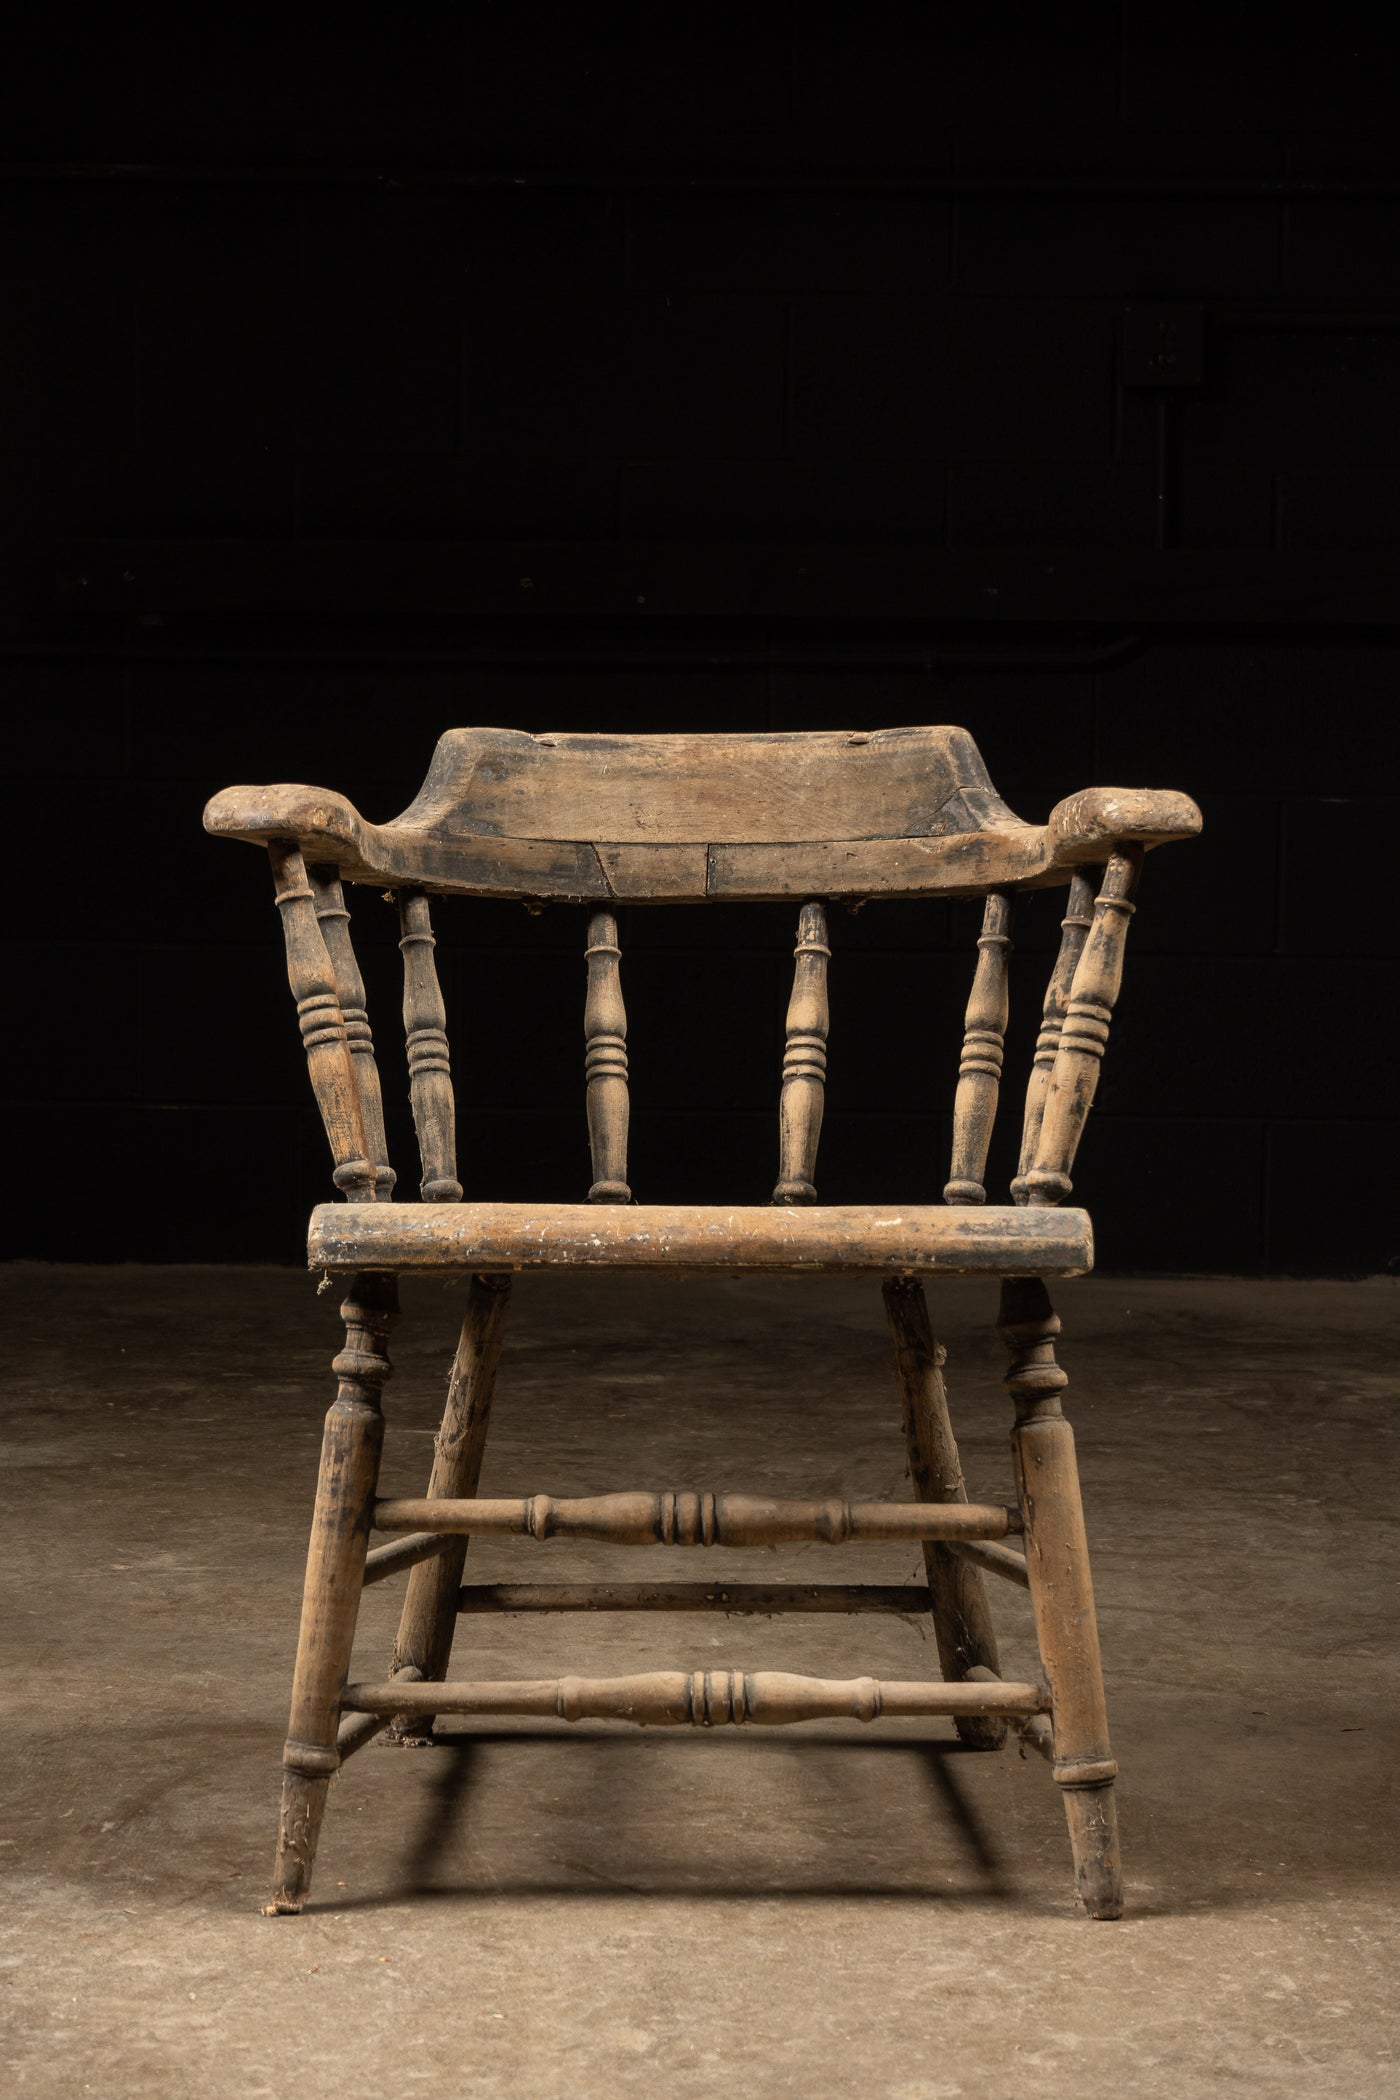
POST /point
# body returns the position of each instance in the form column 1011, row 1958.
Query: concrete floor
column 827, row 1910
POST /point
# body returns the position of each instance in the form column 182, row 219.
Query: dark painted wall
column 297, row 393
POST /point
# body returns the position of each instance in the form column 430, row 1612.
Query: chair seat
column 891, row 1239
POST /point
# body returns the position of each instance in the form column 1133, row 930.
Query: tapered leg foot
column 303, row 1806
column 1092, row 1815
column 1057, row 1568
column 335, row 1568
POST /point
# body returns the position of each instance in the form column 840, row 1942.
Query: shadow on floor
column 604, row 1785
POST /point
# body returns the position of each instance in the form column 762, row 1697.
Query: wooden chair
column 604, row 821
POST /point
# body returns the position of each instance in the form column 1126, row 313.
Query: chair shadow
column 458, row 1770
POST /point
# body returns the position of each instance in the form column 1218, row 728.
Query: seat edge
column 889, row 1239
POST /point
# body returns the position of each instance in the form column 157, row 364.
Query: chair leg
column 1057, row 1563
column 335, row 1564
column 962, row 1618
column 429, row 1619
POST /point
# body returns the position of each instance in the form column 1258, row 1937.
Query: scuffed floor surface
column 827, row 1910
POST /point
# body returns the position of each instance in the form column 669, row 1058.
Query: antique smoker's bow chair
column 603, row 821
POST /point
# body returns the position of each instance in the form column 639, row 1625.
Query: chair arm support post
column 804, row 1060
column 330, row 1066
column 984, row 1038
column 1074, row 1077
column 1074, row 930
column 429, row 1067
column 333, row 917
column 605, row 1062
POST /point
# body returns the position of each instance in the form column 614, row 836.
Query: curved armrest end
column 325, row 826
column 1087, row 826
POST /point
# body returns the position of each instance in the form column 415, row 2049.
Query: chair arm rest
column 1087, row 826
column 325, row 825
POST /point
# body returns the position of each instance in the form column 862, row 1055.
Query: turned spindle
column 689, row 1518
column 1084, row 1036
column 429, row 1067
column 329, row 1063
column 605, row 1062
column 984, row 1037
column 704, row 1698
column 333, row 917
column 1074, row 928
column 804, row 1061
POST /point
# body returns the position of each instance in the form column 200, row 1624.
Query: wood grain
column 381, row 1562
column 605, row 1062
column 333, row 919
column 335, row 1564
column 825, row 1239
column 329, row 1065
column 962, row 1619
column 704, row 1699
column 984, row 1038
column 1074, row 1077
column 424, row 1640
column 429, row 1066
column 804, row 1061
column 696, row 1519
column 1004, row 1561
column 1062, row 1595
column 1074, row 929
column 852, row 814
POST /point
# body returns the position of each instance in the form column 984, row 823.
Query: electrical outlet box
column 1164, row 342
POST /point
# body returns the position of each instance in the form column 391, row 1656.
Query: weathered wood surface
column 605, row 1062
column 1004, row 1561
column 335, row 1563
column 902, row 812
column 334, row 920
column 984, row 1039
column 804, row 1061
column 733, row 1599
column 702, row 1698
column 426, row 1626
column 1074, row 931
column 329, row 1063
column 429, row 1064
column 831, row 1238
column 1074, row 1077
column 1062, row 1595
column 383, row 1561
column 613, row 820
column 962, row 1619
column 1035, row 1730
column 358, row 1729
column 696, row 1519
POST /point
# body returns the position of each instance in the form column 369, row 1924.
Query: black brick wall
column 773, row 285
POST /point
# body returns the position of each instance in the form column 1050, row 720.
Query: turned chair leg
column 1057, row 1563
column 429, row 1620
column 335, row 1564
column 962, row 1618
